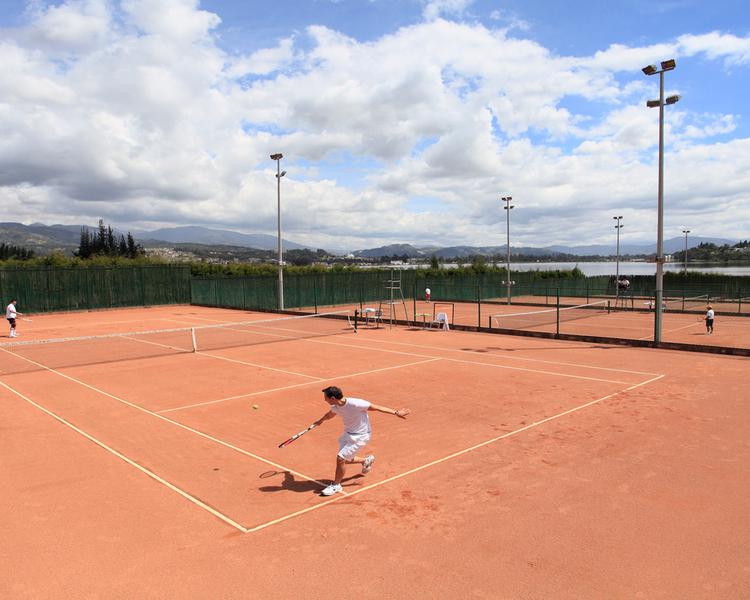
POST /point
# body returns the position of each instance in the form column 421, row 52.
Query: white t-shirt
column 10, row 311
column 354, row 414
column 710, row 313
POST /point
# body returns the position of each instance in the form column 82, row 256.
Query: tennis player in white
column 10, row 315
column 356, row 434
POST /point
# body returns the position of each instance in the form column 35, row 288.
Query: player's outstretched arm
column 399, row 412
column 325, row 417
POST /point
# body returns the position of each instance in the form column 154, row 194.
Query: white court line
column 651, row 335
column 295, row 385
column 168, row 420
column 428, row 357
column 449, row 457
column 473, row 362
column 132, row 463
column 504, row 356
column 501, row 356
column 242, row 362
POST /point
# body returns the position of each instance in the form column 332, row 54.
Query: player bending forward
column 356, row 431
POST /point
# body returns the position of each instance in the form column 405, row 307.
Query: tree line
column 10, row 251
column 104, row 242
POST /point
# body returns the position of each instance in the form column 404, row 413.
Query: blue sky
column 400, row 121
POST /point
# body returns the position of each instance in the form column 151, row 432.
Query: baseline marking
column 449, row 456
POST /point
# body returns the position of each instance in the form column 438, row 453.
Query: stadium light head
column 649, row 70
column 672, row 99
column 277, row 156
column 668, row 65
column 281, row 174
column 653, row 103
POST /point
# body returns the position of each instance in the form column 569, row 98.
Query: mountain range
column 46, row 238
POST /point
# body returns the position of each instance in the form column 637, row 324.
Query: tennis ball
column 255, row 407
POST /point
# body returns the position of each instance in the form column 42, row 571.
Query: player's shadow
column 291, row 484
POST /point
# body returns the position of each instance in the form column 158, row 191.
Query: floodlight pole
column 667, row 65
column 508, row 206
column 686, row 231
column 617, row 263
column 279, row 175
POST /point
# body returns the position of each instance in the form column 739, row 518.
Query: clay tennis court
column 730, row 330
column 529, row 468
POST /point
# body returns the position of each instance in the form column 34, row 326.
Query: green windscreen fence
column 337, row 288
column 45, row 289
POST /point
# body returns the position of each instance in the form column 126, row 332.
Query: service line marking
column 296, row 385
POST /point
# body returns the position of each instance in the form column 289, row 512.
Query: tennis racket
column 700, row 317
column 296, row 435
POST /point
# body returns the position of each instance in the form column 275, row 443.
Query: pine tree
column 101, row 241
column 84, row 246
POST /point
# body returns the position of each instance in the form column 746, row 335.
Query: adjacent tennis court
column 136, row 466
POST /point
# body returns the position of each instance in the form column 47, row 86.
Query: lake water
column 631, row 268
column 604, row 268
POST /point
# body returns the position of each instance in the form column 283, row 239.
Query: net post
column 609, row 307
column 557, row 314
column 356, row 320
column 192, row 336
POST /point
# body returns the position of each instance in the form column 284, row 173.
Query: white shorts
column 350, row 443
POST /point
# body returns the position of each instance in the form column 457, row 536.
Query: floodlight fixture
column 668, row 65
column 277, row 156
column 649, row 70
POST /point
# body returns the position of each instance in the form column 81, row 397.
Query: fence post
column 414, row 301
column 315, row 293
column 479, row 304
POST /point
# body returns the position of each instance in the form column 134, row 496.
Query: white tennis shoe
column 332, row 489
column 367, row 465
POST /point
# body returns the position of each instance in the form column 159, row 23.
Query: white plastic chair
column 373, row 314
column 441, row 320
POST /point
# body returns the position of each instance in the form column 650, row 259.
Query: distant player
column 427, row 294
column 10, row 315
column 709, row 318
column 356, row 434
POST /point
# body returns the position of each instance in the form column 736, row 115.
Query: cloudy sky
column 400, row 121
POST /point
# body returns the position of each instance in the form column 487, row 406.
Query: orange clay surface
column 529, row 468
column 681, row 327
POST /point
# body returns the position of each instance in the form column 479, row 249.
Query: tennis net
column 694, row 302
column 55, row 353
column 550, row 316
